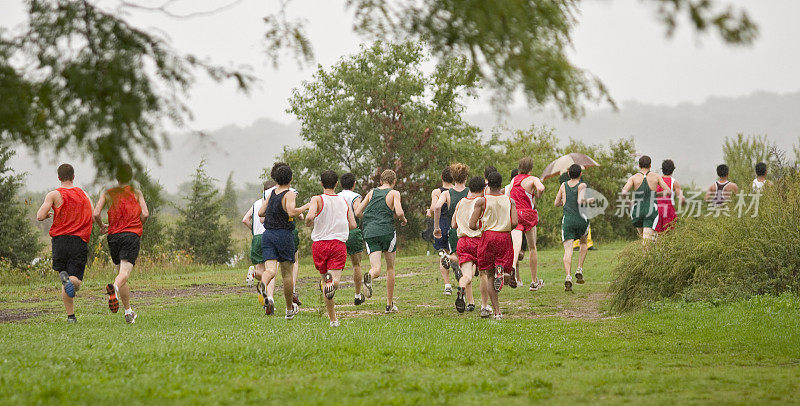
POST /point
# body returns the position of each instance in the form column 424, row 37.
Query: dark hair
column 722, row 170
column 476, row 184
column 489, row 169
column 446, row 175
column 329, row 179
column 282, row 175
column 348, row 180
column 495, row 180
column 275, row 166
column 574, row 171
column 268, row 184
column 667, row 167
column 514, row 173
column 761, row 169
column 525, row 165
column 124, row 173
column 66, row 172
column 645, row 161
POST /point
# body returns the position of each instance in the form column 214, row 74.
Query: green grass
column 216, row 346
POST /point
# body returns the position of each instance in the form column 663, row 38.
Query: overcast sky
column 620, row 41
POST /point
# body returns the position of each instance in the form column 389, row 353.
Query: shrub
column 19, row 243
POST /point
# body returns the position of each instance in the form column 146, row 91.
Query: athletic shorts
column 124, row 246
column 296, row 235
column 495, row 249
column 641, row 218
column 467, row 249
column 384, row 243
column 355, row 242
column 329, row 255
column 444, row 242
column 70, row 254
column 573, row 228
column 452, row 238
column 527, row 219
column 278, row 245
column 256, row 256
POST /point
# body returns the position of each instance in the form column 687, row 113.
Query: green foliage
column 741, row 154
column 154, row 230
column 201, row 229
column 718, row 258
column 229, row 200
column 19, row 243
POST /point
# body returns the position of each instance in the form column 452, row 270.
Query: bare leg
column 534, row 259
column 390, row 257
column 357, row 276
column 467, row 272
column 516, row 241
column 69, row 302
column 295, row 270
column 648, row 234
column 491, row 292
column 268, row 277
column 329, row 303
column 568, row 256
column 121, row 281
column 375, row 264
column 288, row 282
column 445, row 274
column 484, row 286
column 259, row 270
column 584, row 249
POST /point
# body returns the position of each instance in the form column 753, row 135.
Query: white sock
column 128, row 311
column 358, row 296
column 447, row 285
column 270, row 298
column 116, row 288
column 579, row 270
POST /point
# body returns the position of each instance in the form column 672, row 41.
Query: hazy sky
column 620, row 41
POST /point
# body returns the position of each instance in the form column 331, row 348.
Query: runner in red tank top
column 72, row 226
column 666, row 204
column 524, row 190
column 126, row 215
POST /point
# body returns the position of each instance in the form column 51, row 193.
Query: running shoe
column 368, row 283
column 269, row 307
column 471, row 307
column 130, row 318
column 327, row 286
column 512, row 278
column 113, row 303
column 568, row 284
column 69, row 288
column 334, row 323
column 359, row 300
column 448, row 290
column 291, row 313
column 498, row 316
column 391, row 308
column 251, row 276
column 71, row 319
column 262, row 294
column 460, row 305
column 477, row 273
column 296, row 299
column 579, row 275
column 457, row 271
column 444, row 259
column 498, row 278
column 486, row 312
column 536, row 285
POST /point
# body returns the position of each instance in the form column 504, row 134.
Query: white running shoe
column 498, row 316
column 486, row 312
column 579, row 275
column 536, row 285
column 335, row 323
column 568, row 284
column 392, row 309
column 130, row 318
column 291, row 313
column 448, row 290
column 251, row 276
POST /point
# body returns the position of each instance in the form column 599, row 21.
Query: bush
column 19, row 243
column 718, row 258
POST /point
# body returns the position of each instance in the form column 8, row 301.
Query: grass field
column 202, row 338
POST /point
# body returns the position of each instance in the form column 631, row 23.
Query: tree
column 19, row 243
column 378, row 110
column 154, row 229
column 742, row 153
column 230, row 200
column 200, row 230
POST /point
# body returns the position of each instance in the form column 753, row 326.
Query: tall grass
column 718, row 258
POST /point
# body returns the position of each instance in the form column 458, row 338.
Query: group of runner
column 480, row 228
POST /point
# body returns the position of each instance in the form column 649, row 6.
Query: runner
column 644, row 214
column 761, row 178
column 495, row 215
column 666, row 202
column 441, row 244
column 722, row 190
column 72, row 225
column 355, row 239
column 126, row 216
column 256, row 272
column 295, row 235
column 378, row 209
column 331, row 218
column 574, row 225
column 467, row 249
column 524, row 190
column 277, row 242
column 447, row 202
column 521, row 256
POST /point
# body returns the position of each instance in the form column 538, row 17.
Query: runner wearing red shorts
column 495, row 215
column 331, row 218
column 524, row 190
column 666, row 204
column 467, row 248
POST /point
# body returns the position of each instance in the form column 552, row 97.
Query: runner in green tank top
column 574, row 226
column 378, row 209
column 644, row 213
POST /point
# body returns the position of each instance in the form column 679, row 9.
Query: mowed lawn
column 202, row 338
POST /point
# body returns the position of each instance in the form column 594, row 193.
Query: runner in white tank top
column 331, row 221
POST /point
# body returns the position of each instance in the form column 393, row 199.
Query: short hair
column 459, row 172
column 495, row 180
column 476, row 184
column 525, row 165
column 124, row 173
column 761, row 169
column 329, row 179
column 514, row 173
column 645, row 161
column 348, row 180
column 446, row 175
column 667, row 167
column 388, row 177
column 574, row 171
column 275, row 166
column 66, row 172
column 282, row 175
column 722, row 170
column 489, row 169
column 268, row 184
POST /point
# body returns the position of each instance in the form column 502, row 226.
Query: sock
column 270, row 298
column 116, row 289
column 128, row 311
column 447, row 285
column 358, row 295
column 579, row 270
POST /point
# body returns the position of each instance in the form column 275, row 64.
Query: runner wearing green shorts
column 450, row 198
column 378, row 210
column 644, row 213
column 355, row 241
column 574, row 225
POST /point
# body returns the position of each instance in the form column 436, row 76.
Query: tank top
column 331, row 220
column 258, row 226
column 758, row 185
column 351, row 196
column 668, row 200
column 571, row 207
column 276, row 217
column 444, row 218
column 74, row 216
column 463, row 213
column 124, row 215
column 455, row 197
column 378, row 217
column 497, row 214
column 522, row 198
column 643, row 196
column 719, row 194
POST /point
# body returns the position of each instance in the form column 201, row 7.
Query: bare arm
column 710, row 192
column 453, row 222
column 676, row 187
column 262, row 212
column 312, row 211
column 514, row 216
column 663, row 186
column 582, row 195
column 359, row 211
column 398, row 208
column 44, row 212
column 143, row 205
column 247, row 219
column 437, row 213
column 559, row 197
column 351, row 220
column 534, row 186
column 97, row 213
column 477, row 212
column 628, row 186
column 435, row 194
column 290, row 205
column 734, row 189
